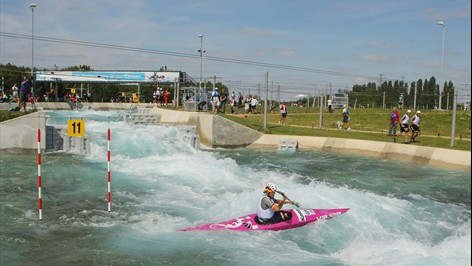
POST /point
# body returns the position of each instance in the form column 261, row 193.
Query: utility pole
column 383, row 100
column 414, row 101
column 441, row 85
column 314, row 93
column 259, row 90
column 447, row 101
column 201, row 51
column 321, row 110
column 214, row 80
column 278, row 92
column 453, row 128
column 265, row 102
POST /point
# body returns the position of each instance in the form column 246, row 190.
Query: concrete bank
column 20, row 135
column 444, row 158
column 217, row 132
column 214, row 131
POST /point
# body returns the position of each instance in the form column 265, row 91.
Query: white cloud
column 258, row 32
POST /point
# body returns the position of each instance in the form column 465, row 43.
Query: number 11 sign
column 76, row 128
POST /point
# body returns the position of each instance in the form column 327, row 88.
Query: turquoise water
column 401, row 214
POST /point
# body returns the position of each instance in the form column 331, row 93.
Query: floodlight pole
column 201, row 51
column 32, row 6
column 441, row 85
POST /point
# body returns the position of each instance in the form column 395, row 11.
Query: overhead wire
column 293, row 86
column 186, row 55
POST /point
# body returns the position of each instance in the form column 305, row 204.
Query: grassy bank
column 366, row 124
column 6, row 115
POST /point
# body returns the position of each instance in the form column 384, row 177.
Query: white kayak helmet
column 271, row 186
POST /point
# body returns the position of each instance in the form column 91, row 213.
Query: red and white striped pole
column 40, row 200
column 109, row 176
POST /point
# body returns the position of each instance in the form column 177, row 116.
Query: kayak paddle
column 293, row 202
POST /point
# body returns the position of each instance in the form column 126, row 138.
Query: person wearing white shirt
column 415, row 126
column 14, row 90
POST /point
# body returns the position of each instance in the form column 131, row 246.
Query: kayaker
column 269, row 208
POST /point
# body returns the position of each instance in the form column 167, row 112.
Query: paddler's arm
column 280, row 203
column 285, row 200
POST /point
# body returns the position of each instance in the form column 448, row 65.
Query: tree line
column 426, row 91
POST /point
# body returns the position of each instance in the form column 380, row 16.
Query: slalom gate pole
column 109, row 176
column 40, row 200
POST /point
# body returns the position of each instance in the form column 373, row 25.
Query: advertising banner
column 107, row 76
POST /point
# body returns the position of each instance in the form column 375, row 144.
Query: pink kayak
column 299, row 217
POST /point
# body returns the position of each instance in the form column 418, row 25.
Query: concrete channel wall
column 214, row 131
column 444, row 158
column 217, row 132
column 20, row 135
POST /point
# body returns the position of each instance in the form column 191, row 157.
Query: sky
column 304, row 46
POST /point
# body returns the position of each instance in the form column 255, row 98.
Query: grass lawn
column 366, row 124
column 5, row 115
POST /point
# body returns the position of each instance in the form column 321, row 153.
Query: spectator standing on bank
column 159, row 96
column 253, row 105
column 240, row 100
column 154, row 97
column 247, row 105
column 404, row 125
column 283, row 113
column 232, row 102
column 400, row 101
column 346, row 118
column 215, row 100
column 166, row 97
column 14, row 91
column 330, row 104
column 52, row 95
column 415, row 126
column 25, row 89
column 394, row 118
column 223, row 99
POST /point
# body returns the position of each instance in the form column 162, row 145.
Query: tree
column 78, row 68
column 450, row 91
column 13, row 74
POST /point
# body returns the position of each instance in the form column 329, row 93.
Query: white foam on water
column 160, row 184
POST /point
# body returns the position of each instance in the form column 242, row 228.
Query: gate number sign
column 76, row 128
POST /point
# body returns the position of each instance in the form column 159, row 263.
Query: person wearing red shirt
column 394, row 118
